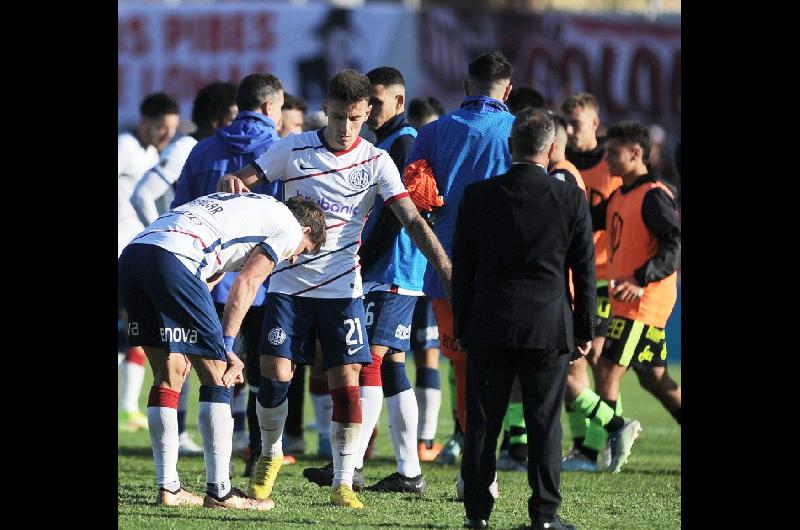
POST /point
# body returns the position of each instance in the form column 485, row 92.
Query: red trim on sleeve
column 397, row 197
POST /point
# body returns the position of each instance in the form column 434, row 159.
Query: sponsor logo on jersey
column 402, row 332
column 359, row 178
column 169, row 335
column 276, row 336
column 331, row 206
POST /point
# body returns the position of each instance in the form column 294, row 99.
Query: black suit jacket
column 516, row 236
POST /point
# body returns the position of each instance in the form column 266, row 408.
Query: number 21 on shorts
column 353, row 328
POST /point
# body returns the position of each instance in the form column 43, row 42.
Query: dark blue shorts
column 292, row 323
column 168, row 307
column 424, row 331
column 389, row 319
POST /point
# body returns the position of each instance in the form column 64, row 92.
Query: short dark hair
column 533, row 131
column 291, row 102
column 349, row 86
column 255, row 89
column 580, row 99
column 523, row 97
column 158, row 105
column 631, row 132
column 490, row 67
column 309, row 213
column 386, row 75
column 559, row 121
column 212, row 103
column 420, row 108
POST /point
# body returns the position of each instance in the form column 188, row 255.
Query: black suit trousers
column 543, row 377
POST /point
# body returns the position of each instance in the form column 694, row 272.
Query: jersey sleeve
column 281, row 244
column 172, row 162
column 271, row 165
column 147, row 192
column 390, row 186
column 660, row 217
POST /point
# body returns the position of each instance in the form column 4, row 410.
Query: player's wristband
column 227, row 340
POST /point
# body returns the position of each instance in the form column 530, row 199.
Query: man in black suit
column 516, row 236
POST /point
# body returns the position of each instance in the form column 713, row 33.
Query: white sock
column 163, row 425
column 403, row 415
column 132, row 379
column 344, row 443
column 323, row 409
column 429, row 401
column 216, row 429
column 271, row 422
column 371, row 404
column 120, row 357
column 184, row 399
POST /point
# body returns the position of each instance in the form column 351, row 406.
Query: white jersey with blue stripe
column 219, row 231
column 345, row 184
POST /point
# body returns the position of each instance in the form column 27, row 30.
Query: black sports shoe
column 401, row 484
column 555, row 524
column 475, row 523
column 323, row 476
column 250, row 464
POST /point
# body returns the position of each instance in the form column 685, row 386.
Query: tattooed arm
column 426, row 241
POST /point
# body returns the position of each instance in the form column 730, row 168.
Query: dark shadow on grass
column 200, row 514
column 656, row 472
column 146, row 452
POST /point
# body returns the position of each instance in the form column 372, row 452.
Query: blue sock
column 428, row 377
column 215, row 394
column 395, row 378
column 181, row 421
column 239, row 421
column 272, row 393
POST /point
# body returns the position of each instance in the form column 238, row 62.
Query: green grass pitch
column 645, row 495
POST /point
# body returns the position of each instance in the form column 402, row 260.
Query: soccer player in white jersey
column 164, row 274
column 213, row 106
column 137, row 151
column 343, row 173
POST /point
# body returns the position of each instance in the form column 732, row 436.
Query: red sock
column 135, row 355
column 163, row 397
column 346, row 405
column 370, row 374
column 318, row 386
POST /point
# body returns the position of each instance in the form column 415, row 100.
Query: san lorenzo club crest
column 359, row 178
column 276, row 336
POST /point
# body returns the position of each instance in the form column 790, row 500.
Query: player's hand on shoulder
column 231, row 184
